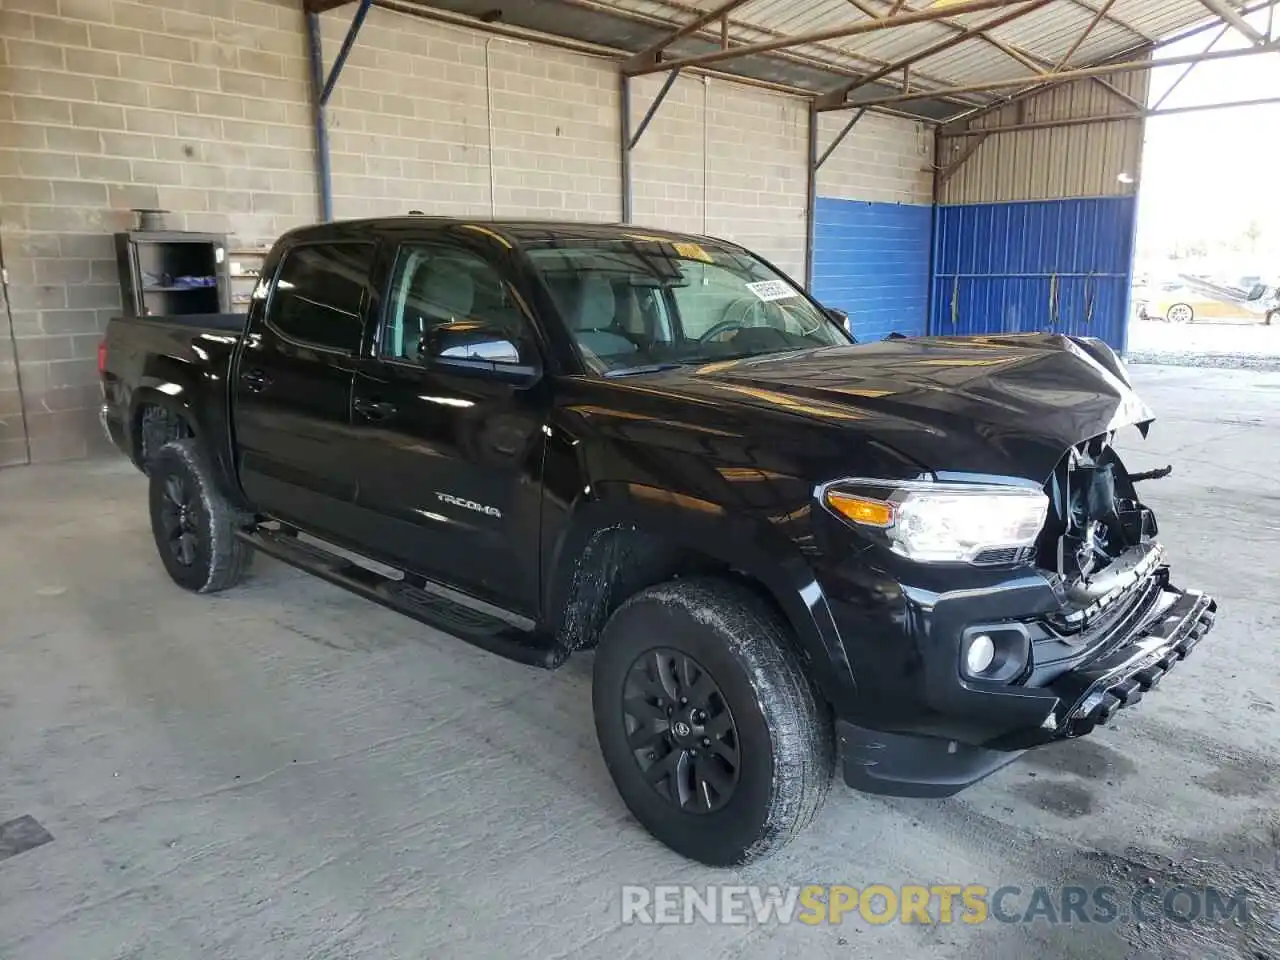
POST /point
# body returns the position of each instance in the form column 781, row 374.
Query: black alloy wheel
column 681, row 731
column 182, row 519
column 194, row 526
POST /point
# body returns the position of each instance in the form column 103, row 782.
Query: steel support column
column 813, row 166
column 811, row 198
column 628, row 140
column 321, row 89
column 624, row 142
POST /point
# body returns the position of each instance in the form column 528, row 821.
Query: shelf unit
column 172, row 272
column 244, row 267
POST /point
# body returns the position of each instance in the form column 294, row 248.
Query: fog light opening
column 980, row 655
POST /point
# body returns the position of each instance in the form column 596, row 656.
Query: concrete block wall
column 726, row 160
column 198, row 108
column 452, row 121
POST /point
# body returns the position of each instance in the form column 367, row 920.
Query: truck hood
column 1002, row 406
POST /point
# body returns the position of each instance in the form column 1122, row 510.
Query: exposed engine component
column 1095, row 513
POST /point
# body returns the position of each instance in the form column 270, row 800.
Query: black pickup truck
column 914, row 558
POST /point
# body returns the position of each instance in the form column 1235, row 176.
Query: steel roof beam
column 1082, row 73
column 837, row 96
column 1230, row 15
column 1040, row 88
column 1097, row 17
column 1114, row 21
column 1186, row 72
column 722, row 38
column 1029, row 60
column 650, row 55
column 984, row 132
column 860, row 28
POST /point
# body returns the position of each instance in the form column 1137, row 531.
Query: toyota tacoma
column 908, row 561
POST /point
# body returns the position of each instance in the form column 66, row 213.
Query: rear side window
column 319, row 293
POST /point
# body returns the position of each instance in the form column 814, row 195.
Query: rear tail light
column 102, row 357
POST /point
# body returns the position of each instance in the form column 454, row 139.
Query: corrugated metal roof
column 1044, row 35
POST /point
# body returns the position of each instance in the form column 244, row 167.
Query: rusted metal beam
column 1097, row 17
column 984, row 132
column 1114, row 21
column 1186, row 72
column 837, row 140
column 951, row 169
column 1082, row 73
column 809, row 60
column 838, row 95
column 649, row 56
column 1230, row 15
column 1031, row 61
column 1039, row 88
column 831, row 33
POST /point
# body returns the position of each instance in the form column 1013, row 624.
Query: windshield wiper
column 641, row 368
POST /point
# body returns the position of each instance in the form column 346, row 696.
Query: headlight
column 943, row 522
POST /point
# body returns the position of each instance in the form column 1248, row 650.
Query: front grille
column 1001, row 555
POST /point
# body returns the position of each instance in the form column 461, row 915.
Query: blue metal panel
column 872, row 261
column 1059, row 265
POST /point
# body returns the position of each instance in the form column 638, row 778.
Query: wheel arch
column 616, row 545
column 155, row 418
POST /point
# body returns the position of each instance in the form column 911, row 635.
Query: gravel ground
column 1242, row 345
column 287, row 771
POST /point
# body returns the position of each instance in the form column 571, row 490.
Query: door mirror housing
column 838, row 315
column 478, row 349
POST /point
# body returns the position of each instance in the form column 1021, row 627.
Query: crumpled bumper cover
column 1077, row 702
column 1092, row 694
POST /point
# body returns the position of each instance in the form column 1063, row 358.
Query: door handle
column 255, row 380
column 375, row 410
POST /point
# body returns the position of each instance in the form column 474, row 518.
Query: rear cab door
column 293, row 382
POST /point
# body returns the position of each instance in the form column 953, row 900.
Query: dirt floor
column 287, row 771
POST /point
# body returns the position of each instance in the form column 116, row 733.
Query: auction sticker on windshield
column 769, row 290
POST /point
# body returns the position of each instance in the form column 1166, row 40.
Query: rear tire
column 1180, row 313
column 740, row 769
column 193, row 524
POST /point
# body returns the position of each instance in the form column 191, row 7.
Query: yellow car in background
column 1182, row 305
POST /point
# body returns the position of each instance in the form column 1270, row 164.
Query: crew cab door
column 292, row 389
column 447, row 414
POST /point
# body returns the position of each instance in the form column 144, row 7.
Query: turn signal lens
column 863, row 510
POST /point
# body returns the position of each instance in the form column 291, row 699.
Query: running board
column 405, row 596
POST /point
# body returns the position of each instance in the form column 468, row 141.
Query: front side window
column 448, row 303
column 633, row 303
column 319, row 294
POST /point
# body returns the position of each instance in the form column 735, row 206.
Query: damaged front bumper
column 1158, row 628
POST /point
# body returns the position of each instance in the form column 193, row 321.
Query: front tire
column 708, row 724
column 1180, row 313
column 193, row 524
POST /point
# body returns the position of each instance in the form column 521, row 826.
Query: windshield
column 633, row 305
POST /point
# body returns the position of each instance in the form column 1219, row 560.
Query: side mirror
column 478, row 351
column 495, row 351
column 838, row 315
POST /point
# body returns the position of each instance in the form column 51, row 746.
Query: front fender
column 620, row 529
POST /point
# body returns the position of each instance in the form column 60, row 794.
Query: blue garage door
column 1057, row 265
